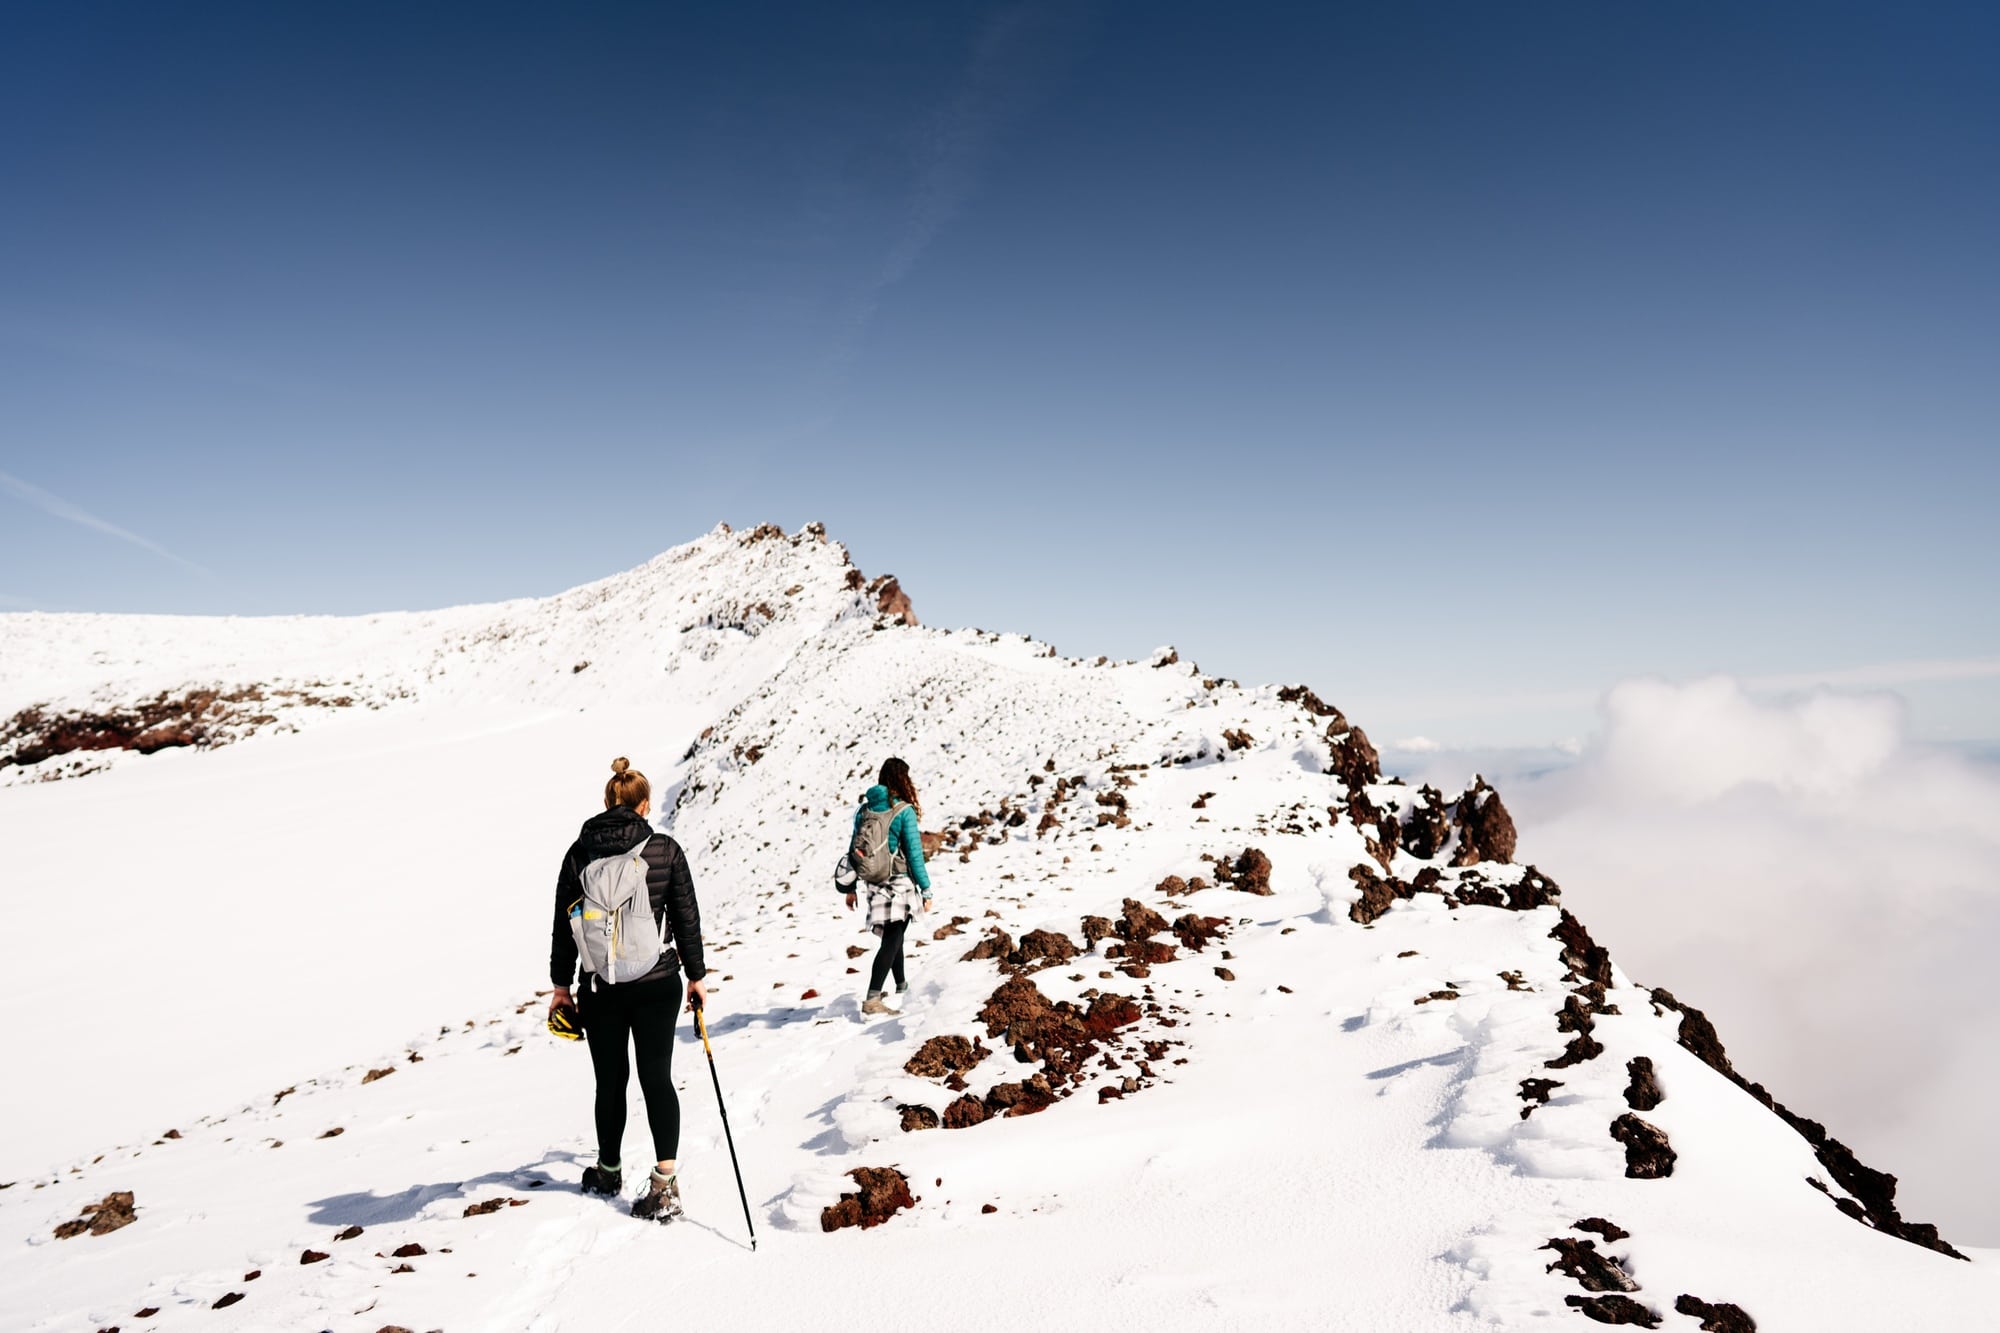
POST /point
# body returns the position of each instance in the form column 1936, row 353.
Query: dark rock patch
column 1535, row 1091
column 881, row 1193
column 347, row 1233
column 1350, row 756
column 1485, row 829
column 485, row 1206
column 408, row 1250
column 1248, row 873
column 312, row 1256
column 1648, row 1155
column 1378, row 894
column 374, row 1074
column 996, row 944
column 1137, row 921
column 1589, row 962
column 964, row 1113
column 941, row 1057
column 1720, row 1317
column 1611, row 1231
column 1195, row 932
column 1643, row 1093
column 226, row 1300
column 1580, row 1259
column 1024, row 1098
column 1046, row 947
column 107, row 1215
column 1426, row 827
column 1613, row 1310
column 1875, row 1190
column 917, row 1117
column 948, row 929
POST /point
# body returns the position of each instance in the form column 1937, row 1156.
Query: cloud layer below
column 1826, row 889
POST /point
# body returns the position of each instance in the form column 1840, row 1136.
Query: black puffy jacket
column 668, row 884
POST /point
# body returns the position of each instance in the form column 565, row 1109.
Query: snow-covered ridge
column 1200, row 972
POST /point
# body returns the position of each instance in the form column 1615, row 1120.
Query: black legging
column 890, row 956
column 644, row 1011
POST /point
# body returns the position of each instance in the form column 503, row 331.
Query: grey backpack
column 875, row 860
column 613, row 922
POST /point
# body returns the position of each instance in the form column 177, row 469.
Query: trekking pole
column 701, row 1024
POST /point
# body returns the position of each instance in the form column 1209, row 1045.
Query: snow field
column 1333, row 1154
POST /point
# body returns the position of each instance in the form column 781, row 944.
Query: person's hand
column 927, row 904
column 850, row 902
column 560, row 999
column 697, row 996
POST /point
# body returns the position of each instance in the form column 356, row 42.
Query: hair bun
column 620, row 764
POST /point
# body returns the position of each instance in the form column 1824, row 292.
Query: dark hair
column 628, row 786
column 895, row 776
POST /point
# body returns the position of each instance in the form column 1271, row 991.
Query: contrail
column 63, row 509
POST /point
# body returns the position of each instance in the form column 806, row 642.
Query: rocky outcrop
column 1716, row 1317
column 108, row 1214
column 1874, row 1192
column 881, row 1192
column 1485, row 829
column 891, row 601
column 1648, row 1155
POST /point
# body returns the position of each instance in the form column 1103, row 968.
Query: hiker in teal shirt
column 908, row 891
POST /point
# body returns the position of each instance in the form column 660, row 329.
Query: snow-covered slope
column 1214, row 1026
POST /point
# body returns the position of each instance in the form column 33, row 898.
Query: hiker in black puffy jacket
column 641, row 1011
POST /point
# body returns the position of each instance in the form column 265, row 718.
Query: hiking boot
column 875, row 1004
column 602, row 1180
column 662, row 1200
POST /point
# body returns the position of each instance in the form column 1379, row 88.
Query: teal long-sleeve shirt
column 903, row 834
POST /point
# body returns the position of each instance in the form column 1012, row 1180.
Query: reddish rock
column 1138, row 921
column 891, row 600
column 1046, row 947
column 943, row 1056
column 409, row 1250
column 1195, row 932
column 1378, row 895
column 917, row 1117
column 113, row 1211
column 964, row 1113
column 1024, row 1098
column 1611, row 1231
column 1248, row 873
column 374, row 1074
column 312, row 1256
column 996, row 944
column 881, row 1192
column 1485, row 829
column 348, row 1233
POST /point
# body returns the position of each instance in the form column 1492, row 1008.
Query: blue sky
column 1459, row 359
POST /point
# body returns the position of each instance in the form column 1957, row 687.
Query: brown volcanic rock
column 1875, row 1190
column 881, row 1193
column 1248, row 873
column 1426, row 828
column 1378, row 895
column 891, row 600
column 1580, row 1259
column 917, row 1117
column 1046, row 947
column 1138, row 921
column 1613, row 1310
column 1648, row 1155
column 941, row 1057
column 1485, row 829
column 1643, row 1093
column 1353, row 759
column 1720, row 1317
column 107, row 1215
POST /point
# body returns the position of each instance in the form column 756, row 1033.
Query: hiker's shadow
column 372, row 1209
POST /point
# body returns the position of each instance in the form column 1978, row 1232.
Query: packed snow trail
column 1260, row 1111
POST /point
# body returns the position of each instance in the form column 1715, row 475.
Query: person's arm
column 562, row 942
column 684, row 919
column 913, row 850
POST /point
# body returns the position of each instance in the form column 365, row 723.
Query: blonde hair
column 628, row 786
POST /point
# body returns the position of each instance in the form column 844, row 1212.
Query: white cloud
column 1826, row 889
